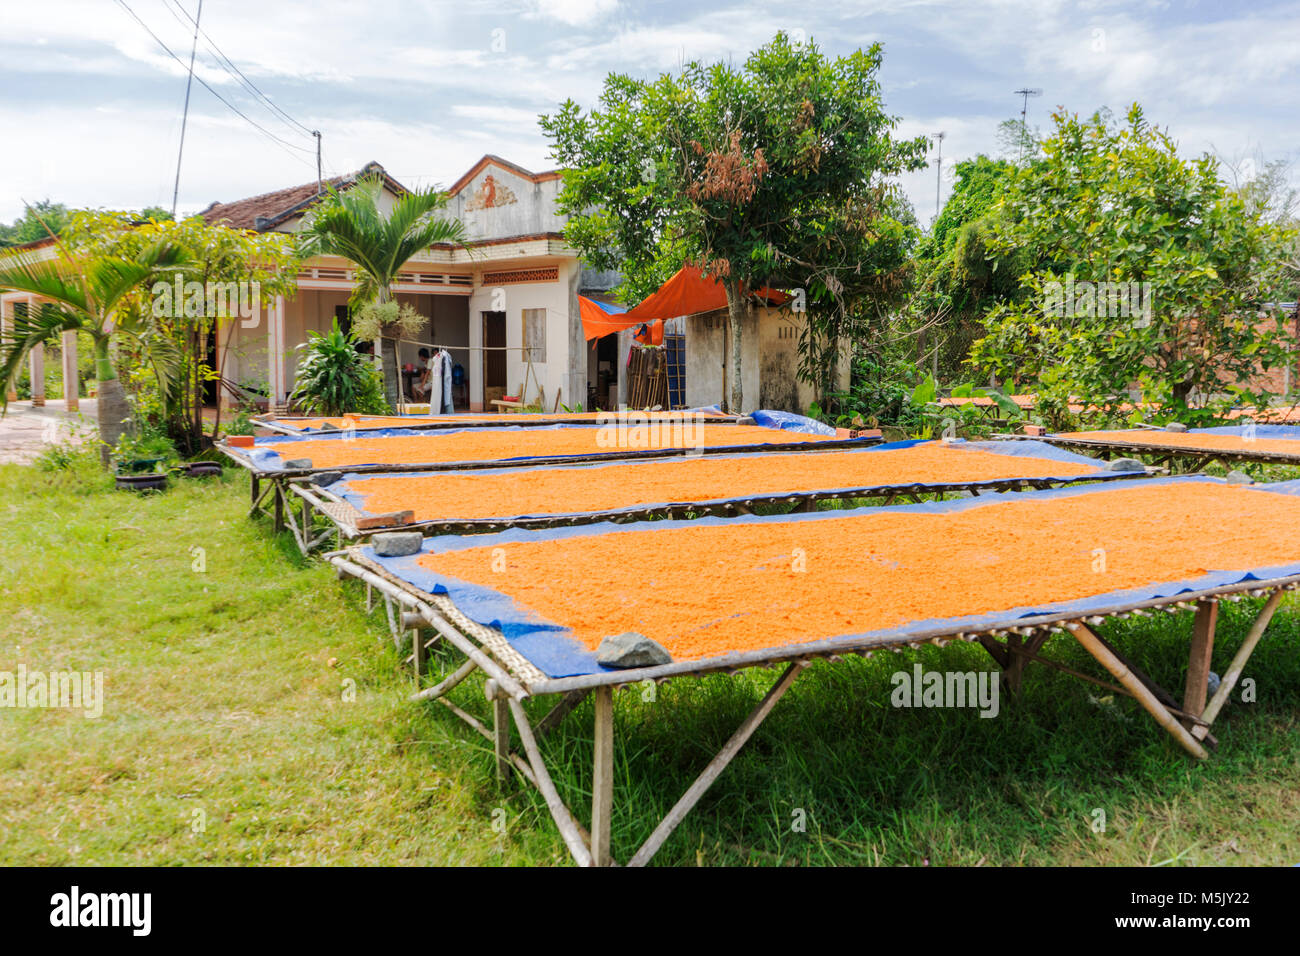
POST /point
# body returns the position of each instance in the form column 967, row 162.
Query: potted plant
column 140, row 462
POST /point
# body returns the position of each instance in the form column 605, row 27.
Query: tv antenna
column 1024, row 94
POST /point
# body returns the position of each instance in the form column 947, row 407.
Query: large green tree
column 776, row 172
column 959, row 276
column 1150, row 274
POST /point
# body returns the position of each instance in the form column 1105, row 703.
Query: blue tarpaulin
column 549, row 646
column 269, row 454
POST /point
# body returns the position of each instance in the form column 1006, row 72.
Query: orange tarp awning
column 598, row 319
column 688, row 292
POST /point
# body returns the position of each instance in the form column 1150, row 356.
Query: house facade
column 505, row 306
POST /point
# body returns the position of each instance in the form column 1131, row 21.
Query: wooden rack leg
column 569, row 829
column 1139, row 690
column 1198, row 660
column 278, row 525
column 602, row 784
column 1015, row 669
column 718, row 764
column 1238, row 664
column 500, row 730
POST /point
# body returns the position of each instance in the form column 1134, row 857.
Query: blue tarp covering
column 1026, row 449
column 269, row 454
column 789, row 421
column 551, row 649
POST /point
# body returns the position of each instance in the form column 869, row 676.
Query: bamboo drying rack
column 424, row 620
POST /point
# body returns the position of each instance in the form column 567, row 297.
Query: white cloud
column 576, row 12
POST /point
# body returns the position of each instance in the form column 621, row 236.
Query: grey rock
column 746, row 420
column 1212, row 685
column 297, row 464
column 1175, row 427
column 324, row 478
column 327, row 427
column 1125, row 464
column 396, row 544
column 1240, row 478
column 631, row 649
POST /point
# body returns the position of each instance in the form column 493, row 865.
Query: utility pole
column 185, row 115
column 1024, row 113
column 938, row 171
column 319, row 187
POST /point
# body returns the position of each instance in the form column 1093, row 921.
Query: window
column 535, row 334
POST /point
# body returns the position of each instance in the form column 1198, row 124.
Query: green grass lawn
column 229, row 736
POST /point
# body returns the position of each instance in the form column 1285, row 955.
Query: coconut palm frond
column 23, row 272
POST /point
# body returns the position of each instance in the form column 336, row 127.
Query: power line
column 185, row 114
column 283, row 143
column 229, row 66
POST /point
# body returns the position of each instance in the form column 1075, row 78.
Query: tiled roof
column 270, row 209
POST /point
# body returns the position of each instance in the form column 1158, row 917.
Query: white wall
column 564, row 371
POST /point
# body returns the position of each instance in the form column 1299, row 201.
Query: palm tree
column 92, row 297
column 352, row 226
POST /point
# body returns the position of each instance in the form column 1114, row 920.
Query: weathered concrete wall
column 518, row 206
column 706, row 347
column 769, row 361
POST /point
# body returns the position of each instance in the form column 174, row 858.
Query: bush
column 334, row 378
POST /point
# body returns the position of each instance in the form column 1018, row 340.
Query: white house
column 515, row 285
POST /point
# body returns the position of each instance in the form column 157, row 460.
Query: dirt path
column 25, row 431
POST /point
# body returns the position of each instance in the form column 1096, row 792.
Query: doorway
column 494, row 357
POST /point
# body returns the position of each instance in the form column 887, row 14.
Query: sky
column 91, row 104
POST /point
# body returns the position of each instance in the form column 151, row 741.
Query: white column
column 279, row 383
column 71, row 385
column 37, row 361
column 6, row 330
column 474, row 367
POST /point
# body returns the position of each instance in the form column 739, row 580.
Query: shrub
column 334, row 378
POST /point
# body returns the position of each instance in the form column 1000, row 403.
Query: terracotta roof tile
column 268, row 210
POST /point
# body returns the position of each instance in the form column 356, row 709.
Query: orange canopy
column 599, row 319
column 688, row 292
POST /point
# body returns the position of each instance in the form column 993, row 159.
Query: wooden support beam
column 1139, row 690
column 1239, row 660
column 569, row 829
column 1198, row 660
column 278, row 524
column 602, row 776
column 429, row 693
column 996, row 650
column 500, row 729
column 718, row 764
column 561, row 710
column 1014, row 671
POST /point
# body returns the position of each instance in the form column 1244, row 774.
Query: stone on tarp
column 326, row 478
column 397, row 544
column 631, row 649
column 1125, row 464
column 1175, row 427
column 1239, row 478
column 297, row 464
